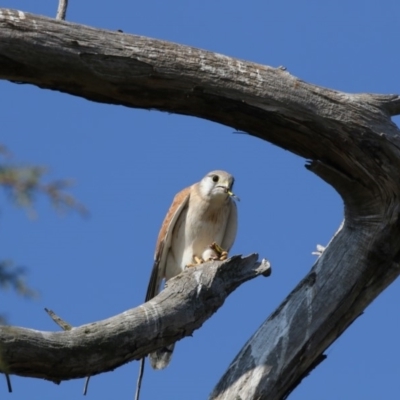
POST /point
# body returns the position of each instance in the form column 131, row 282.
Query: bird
column 200, row 226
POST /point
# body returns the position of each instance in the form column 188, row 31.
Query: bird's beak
column 227, row 186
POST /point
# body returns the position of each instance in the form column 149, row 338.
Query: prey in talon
column 222, row 254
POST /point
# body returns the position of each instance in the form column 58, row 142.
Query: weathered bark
column 349, row 139
column 188, row 301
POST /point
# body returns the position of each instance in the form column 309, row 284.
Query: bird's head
column 218, row 184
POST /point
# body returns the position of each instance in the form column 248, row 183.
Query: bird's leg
column 221, row 253
column 197, row 261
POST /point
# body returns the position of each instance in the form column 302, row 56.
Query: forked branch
column 349, row 139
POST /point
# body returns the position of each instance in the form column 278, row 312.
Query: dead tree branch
column 349, row 139
column 62, row 9
column 188, row 301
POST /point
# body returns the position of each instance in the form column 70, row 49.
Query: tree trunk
column 349, row 139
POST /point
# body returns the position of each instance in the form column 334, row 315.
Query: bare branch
column 9, row 387
column 117, row 68
column 187, row 302
column 62, row 9
column 65, row 326
column 349, row 139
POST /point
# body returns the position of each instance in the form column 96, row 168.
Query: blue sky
column 128, row 164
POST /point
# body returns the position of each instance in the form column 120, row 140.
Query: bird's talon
column 197, row 261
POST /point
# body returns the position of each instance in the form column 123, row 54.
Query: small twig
column 140, row 377
column 66, row 327
column 62, row 9
column 60, row 322
column 8, row 383
column 86, row 385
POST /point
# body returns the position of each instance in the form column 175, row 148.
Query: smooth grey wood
column 349, row 140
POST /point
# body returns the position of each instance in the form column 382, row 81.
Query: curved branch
column 349, row 139
column 116, row 68
column 188, row 301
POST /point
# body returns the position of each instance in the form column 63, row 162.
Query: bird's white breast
column 200, row 224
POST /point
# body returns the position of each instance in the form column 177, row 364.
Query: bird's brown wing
column 160, row 358
column 164, row 241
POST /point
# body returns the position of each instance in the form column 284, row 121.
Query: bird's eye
column 215, row 178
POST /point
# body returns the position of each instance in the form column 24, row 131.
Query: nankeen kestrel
column 200, row 226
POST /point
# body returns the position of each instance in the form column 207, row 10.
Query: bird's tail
column 160, row 358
